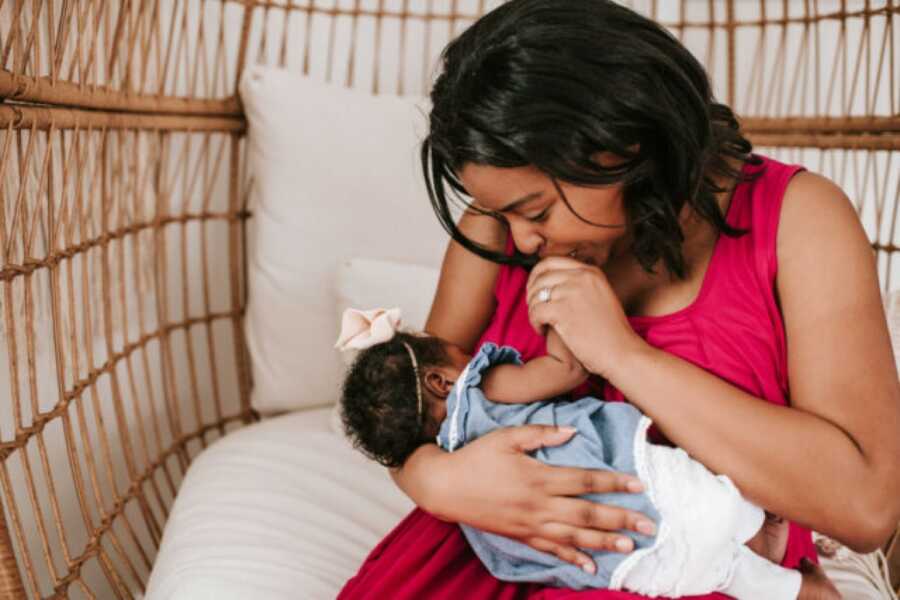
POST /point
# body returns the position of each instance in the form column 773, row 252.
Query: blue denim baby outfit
column 605, row 440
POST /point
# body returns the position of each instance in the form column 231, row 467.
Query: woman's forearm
column 791, row 462
column 417, row 475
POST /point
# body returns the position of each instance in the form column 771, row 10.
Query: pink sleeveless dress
column 733, row 329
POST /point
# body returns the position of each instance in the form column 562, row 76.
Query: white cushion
column 281, row 509
column 336, row 174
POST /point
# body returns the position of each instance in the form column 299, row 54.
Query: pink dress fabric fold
column 733, row 329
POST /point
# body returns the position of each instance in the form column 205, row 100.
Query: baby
column 404, row 390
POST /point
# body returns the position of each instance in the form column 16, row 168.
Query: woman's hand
column 584, row 310
column 493, row 485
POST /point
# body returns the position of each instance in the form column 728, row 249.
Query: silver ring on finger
column 544, row 294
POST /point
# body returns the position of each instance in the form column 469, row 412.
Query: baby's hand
column 816, row 585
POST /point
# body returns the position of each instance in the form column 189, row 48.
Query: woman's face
column 539, row 220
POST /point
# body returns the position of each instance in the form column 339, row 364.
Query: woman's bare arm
column 539, row 379
column 464, row 301
column 463, row 305
column 832, row 460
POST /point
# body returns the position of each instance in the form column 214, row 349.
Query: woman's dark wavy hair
column 548, row 83
column 379, row 405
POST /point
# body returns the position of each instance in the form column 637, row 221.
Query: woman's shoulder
column 796, row 214
column 817, row 219
column 827, row 280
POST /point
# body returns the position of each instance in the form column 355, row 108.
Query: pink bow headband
column 361, row 329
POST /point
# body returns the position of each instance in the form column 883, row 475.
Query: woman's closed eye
column 541, row 216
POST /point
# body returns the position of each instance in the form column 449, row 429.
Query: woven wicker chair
column 123, row 204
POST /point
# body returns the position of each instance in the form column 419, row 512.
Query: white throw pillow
column 335, row 174
column 367, row 283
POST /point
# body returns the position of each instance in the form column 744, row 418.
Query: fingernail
column 588, row 567
column 623, row 544
column 635, row 485
column 568, row 429
column 646, row 527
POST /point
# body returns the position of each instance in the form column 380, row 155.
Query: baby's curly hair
column 379, row 406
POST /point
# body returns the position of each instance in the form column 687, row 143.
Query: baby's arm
column 538, row 379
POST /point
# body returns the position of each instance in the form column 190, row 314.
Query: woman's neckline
column 710, row 266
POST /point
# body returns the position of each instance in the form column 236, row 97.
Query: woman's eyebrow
column 515, row 203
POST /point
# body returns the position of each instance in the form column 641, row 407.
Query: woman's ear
column 439, row 381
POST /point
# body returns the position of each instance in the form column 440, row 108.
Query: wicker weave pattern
column 120, row 308
column 137, row 56
column 124, row 196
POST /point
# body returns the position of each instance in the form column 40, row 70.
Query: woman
column 732, row 298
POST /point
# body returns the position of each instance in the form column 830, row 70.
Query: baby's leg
column 754, row 577
column 771, row 540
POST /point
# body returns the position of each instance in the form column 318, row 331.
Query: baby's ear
column 438, row 382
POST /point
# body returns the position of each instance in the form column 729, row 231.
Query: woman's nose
column 526, row 237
